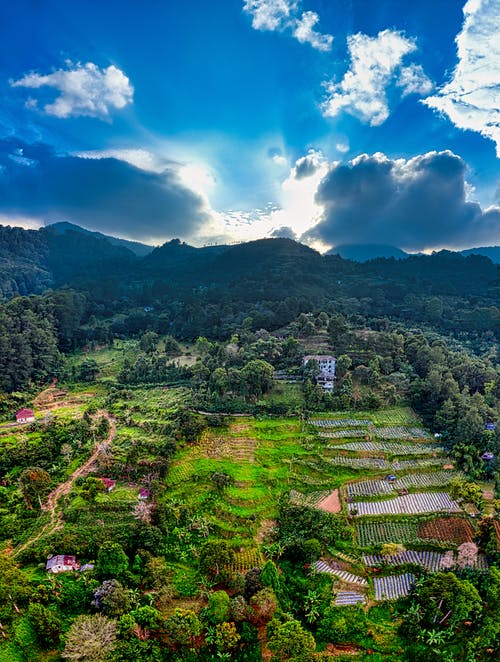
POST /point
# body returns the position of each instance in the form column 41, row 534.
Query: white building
column 326, row 376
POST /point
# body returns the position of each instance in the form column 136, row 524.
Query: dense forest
column 182, row 448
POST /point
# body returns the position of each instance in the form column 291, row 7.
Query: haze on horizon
column 320, row 120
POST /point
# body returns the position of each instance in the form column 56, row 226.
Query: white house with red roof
column 25, row 416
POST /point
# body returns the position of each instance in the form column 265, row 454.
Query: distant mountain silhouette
column 365, row 252
column 493, row 252
column 140, row 249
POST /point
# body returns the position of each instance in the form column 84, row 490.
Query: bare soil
column 331, row 504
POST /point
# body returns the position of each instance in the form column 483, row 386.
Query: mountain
column 365, row 252
column 493, row 252
column 141, row 250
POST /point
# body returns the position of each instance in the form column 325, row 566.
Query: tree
column 225, row 637
column 112, row 598
column 270, row 577
column 183, row 626
column 214, row 556
column 35, row 484
column 90, row 638
column 466, row 491
column 148, row 342
column 111, row 561
column 91, row 488
column 46, row 623
column 221, row 480
column 217, row 609
column 257, row 376
column 264, row 604
column 289, row 641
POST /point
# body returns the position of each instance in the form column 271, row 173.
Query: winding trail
column 55, row 522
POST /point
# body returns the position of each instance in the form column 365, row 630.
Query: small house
column 61, row 563
column 487, row 456
column 144, row 494
column 490, row 427
column 108, row 483
column 25, row 416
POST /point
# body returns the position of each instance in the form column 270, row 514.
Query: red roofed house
column 108, row 483
column 25, row 416
column 144, row 493
column 62, row 563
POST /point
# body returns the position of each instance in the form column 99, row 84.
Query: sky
column 328, row 121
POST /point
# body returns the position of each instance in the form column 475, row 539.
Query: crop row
column 344, row 434
column 312, row 499
column 367, row 488
column 391, row 447
column 358, row 462
column 380, row 532
column 393, row 586
column 402, row 465
column 430, row 561
column 339, row 422
column 408, row 504
column 400, row 432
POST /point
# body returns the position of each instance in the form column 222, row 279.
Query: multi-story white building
column 326, row 376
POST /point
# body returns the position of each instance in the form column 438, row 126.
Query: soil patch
column 449, row 529
column 331, row 504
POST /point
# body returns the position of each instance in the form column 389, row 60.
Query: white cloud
column 471, row 99
column 414, row 80
column 284, row 15
column 306, row 34
column 270, row 14
column 139, row 158
column 375, row 63
column 84, row 90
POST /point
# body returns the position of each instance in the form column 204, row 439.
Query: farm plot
column 311, row 500
column 393, row 586
column 404, row 465
column 340, row 422
column 456, row 530
column 246, row 560
column 357, row 462
column 354, row 433
column 409, row 504
column 400, row 432
column 390, row 447
column 367, row 488
column 348, row 598
column 348, row 577
column 430, row 561
column 380, row 532
column 433, row 479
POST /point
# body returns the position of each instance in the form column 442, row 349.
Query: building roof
column 61, row 559
column 24, row 413
column 144, row 493
column 319, row 357
column 108, row 482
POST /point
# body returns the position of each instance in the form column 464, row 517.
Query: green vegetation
column 208, row 485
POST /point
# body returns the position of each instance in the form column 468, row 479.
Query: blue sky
column 333, row 121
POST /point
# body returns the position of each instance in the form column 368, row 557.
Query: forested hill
column 269, row 269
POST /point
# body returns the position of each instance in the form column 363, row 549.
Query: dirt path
column 50, row 505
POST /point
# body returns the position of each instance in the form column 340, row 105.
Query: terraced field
column 409, row 504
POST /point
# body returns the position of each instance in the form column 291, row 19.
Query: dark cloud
column 306, row 166
column 284, row 232
column 414, row 204
column 104, row 194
